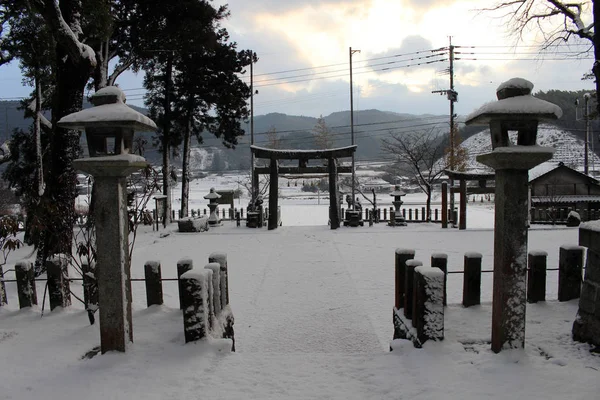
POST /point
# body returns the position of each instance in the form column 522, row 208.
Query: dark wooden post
column 58, row 282
column 184, row 265
column 462, row 224
column 409, row 280
column 25, row 276
column 444, row 205
column 428, row 313
column 153, row 278
column 216, row 283
column 273, row 190
column 416, row 214
column 440, row 260
column 210, row 298
column 423, row 214
column 436, row 214
column 410, row 214
column 195, row 304
column 392, row 217
column 3, row 298
column 334, row 217
column 472, row 280
column 90, row 286
column 221, row 259
column 371, row 217
column 402, row 256
column 385, row 214
column 536, row 276
column 570, row 267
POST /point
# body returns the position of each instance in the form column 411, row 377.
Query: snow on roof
column 542, row 169
column 565, row 198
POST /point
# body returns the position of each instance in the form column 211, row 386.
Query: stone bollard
column 221, row 259
column 210, row 299
column 370, row 217
column 385, row 214
column 58, row 282
column 392, row 218
column 428, row 315
column 25, row 277
column 472, row 280
column 409, row 275
column 216, row 283
column 570, row 267
column 153, row 278
column 238, row 218
column 184, row 265
column 440, row 260
column 401, row 257
column 194, row 297
column 536, row 276
column 90, row 287
column 444, row 205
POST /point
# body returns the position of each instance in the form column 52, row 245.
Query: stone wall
column 587, row 324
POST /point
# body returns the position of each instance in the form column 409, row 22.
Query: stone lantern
column 397, row 194
column 212, row 197
column 109, row 127
column 516, row 110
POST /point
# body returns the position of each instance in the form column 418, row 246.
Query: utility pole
column 253, row 183
column 350, row 52
column 166, row 139
column 586, row 97
column 452, row 96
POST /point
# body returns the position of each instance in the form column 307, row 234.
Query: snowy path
column 306, row 301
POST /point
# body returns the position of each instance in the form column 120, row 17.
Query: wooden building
column 557, row 189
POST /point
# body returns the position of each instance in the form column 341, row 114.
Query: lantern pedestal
column 112, row 260
column 510, row 240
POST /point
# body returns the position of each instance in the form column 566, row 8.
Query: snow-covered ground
column 313, row 319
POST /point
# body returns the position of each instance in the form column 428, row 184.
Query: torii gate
column 274, row 155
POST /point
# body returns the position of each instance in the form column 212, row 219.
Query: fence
column 203, row 294
column 558, row 215
column 419, row 291
column 409, row 214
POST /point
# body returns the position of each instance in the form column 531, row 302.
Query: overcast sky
column 303, row 49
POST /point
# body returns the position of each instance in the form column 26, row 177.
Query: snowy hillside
column 569, row 149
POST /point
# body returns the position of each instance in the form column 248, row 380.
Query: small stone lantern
column 111, row 121
column 397, row 194
column 516, row 110
column 212, row 197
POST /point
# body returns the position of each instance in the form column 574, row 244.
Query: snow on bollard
column 153, row 278
column 58, row 281
column 194, row 299
column 409, row 286
column 25, row 276
column 209, row 299
column 472, row 279
column 216, row 283
column 401, row 257
column 428, row 318
column 536, row 276
column 183, row 265
column 440, row 260
column 570, row 272
column 221, row 259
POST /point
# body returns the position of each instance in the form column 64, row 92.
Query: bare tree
column 557, row 21
column 419, row 153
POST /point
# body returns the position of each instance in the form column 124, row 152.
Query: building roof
column 579, row 198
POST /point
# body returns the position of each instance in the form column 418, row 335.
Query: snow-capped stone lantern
column 397, row 194
column 212, row 197
column 110, row 121
column 516, row 110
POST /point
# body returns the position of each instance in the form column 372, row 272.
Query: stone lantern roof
column 514, row 102
column 397, row 191
column 109, row 110
column 212, row 195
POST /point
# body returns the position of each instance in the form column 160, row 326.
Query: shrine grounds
column 313, row 319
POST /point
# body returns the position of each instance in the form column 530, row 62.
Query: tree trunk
column 185, row 175
column 64, row 148
column 596, row 67
column 428, row 205
column 166, row 146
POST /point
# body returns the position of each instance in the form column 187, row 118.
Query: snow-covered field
column 313, row 319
